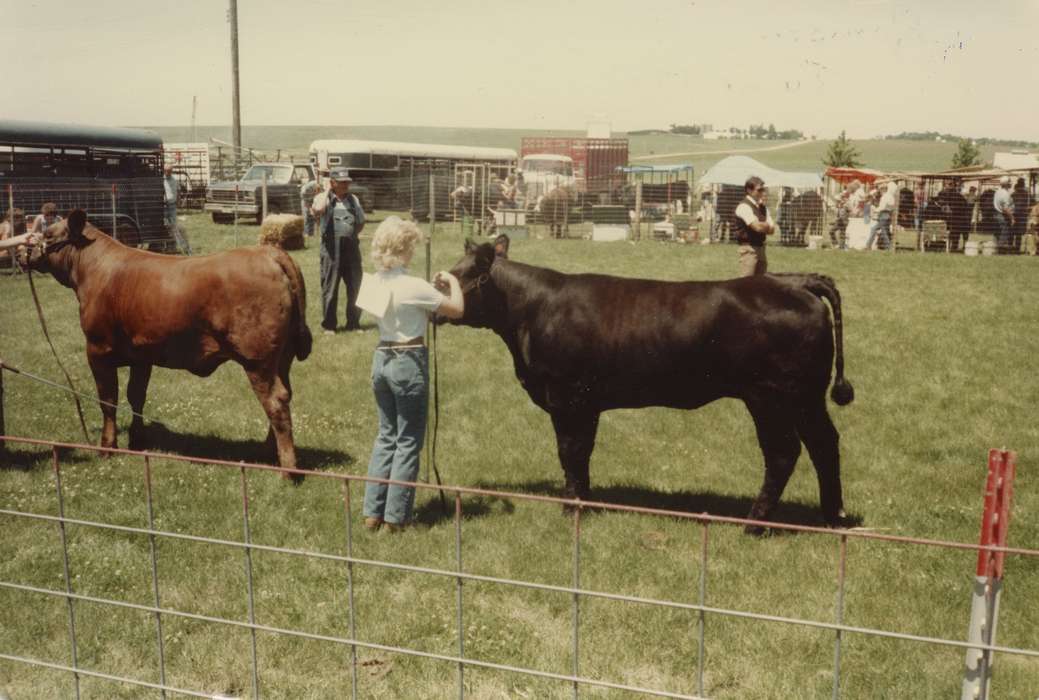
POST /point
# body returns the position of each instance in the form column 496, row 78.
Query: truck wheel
column 219, row 218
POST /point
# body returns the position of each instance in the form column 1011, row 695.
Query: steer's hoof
column 296, row 479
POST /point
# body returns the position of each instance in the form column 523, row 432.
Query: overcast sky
column 868, row 66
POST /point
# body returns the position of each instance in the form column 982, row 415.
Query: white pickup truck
column 543, row 172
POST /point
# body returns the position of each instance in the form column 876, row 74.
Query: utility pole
column 236, row 117
column 194, row 109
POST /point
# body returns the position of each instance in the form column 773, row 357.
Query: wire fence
column 576, row 679
column 131, row 210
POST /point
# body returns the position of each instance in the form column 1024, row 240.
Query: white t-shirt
column 748, row 216
column 411, row 301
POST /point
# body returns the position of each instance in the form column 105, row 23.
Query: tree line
column 841, row 153
column 983, row 141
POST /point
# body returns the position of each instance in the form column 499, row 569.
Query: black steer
column 583, row 344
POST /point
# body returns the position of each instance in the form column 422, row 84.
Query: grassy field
column 876, row 153
column 938, row 347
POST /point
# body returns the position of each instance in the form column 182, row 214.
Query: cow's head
column 483, row 299
column 61, row 242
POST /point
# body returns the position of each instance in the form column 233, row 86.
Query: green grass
column 939, row 348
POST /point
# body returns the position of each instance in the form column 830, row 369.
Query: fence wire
column 575, row 679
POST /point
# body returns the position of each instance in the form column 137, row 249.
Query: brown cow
column 140, row 309
column 555, row 207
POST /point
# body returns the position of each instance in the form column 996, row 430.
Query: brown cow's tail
column 298, row 289
column 824, row 287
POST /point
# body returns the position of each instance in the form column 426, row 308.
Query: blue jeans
column 309, row 220
column 1003, row 238
column 883, row 225
column 400, row 380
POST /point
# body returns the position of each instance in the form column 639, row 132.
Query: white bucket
column 988, row 248
column 970, row 248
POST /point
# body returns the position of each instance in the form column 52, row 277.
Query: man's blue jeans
column 883, row 225
column 400, row 380
column 1003, row 238
column 309, row 220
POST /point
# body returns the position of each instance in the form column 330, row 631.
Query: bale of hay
column 282, row 230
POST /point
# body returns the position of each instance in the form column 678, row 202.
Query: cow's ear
column 501, row 246
column 76, row 221
column 470, row 247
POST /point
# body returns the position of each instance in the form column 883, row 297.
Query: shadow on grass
column 788, row 512
column 442, row 509
column 26, row 460
column 160, row 438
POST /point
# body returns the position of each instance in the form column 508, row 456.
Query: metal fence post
column 701, row 616
column 249, row 581
column 458, row 588
column 988, row 581
column 65, row 559
column 3, row 423
column 841, row 569
column 115, row 216
column 350, row 588
column 577, row 597
column 155, row 572
column 10, row 212
column 638, row 211
column 236, row 215
column 263, row 192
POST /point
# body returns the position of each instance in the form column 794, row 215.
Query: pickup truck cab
column 543, row 172
column 284, row 181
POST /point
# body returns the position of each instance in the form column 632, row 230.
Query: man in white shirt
column 1003, row 203
column 884, row 211
column 753, row 223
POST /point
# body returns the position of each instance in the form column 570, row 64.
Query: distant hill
column 882, row 154
column 296, row 139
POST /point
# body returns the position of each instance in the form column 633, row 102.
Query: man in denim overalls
column 342, row 220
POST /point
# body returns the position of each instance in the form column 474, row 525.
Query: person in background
column 972, row 207
column 400, row 368
column 47, row 216
column 341, row 221
column 1003, row 203
column 170, row 189
column 1022, row 202
column 919, row 203
column 12, row 232
column 846, row 205
column 508, row 192
column 753, row 224
column 307, row 192
column 883, row 213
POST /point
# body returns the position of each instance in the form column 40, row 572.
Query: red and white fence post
column 988, row 582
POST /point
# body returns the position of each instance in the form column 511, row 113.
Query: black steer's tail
column 824, row 287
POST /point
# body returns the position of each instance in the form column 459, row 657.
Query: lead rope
column 436, row 421
column 68, row 378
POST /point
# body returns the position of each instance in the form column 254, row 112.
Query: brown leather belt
column 413, row 343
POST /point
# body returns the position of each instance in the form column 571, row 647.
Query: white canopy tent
column 735, row 170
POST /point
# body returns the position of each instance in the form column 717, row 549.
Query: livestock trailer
column 398, row 174
column 114, row 174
